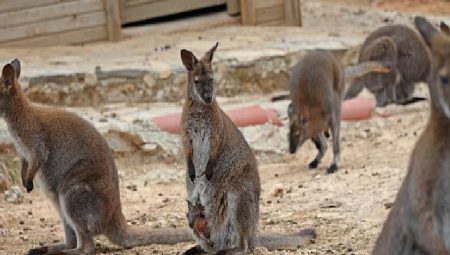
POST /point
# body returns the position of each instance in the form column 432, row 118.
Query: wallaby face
column 72, row 163
column 298, row 129
column 201, row 76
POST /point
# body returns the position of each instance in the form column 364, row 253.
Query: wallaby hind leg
column 335, row 124
column 80, row 208
column 381, row 99
column 321, row 145
column 70, row 242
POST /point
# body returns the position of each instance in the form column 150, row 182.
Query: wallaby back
column 419, row 221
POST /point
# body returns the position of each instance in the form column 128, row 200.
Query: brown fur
column 403, row 49
column 222, row 171
column 74, row 166
column 419, row 221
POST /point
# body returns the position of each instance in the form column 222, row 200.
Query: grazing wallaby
column 317, row 86
column 73, row 165
column 222, row 172
column 419, row 221
column 405, row 51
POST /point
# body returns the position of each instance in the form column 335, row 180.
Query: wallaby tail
column 131, row 236
column 361, row 69
column 280, row 97
column 286, row 241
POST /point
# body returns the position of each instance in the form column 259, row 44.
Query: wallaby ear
column 425, row 28
column 210, row 54
column 8, row 75
column 445, row 29
column 16, row 64
column 188, row 59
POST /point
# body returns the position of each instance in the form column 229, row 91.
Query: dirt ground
column 347, row 208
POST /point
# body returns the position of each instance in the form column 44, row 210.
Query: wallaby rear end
column 73, row 165
column 419, row 221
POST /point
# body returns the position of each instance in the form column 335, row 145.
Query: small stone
column 388, row 205
column 14, row 195
column 132, row 187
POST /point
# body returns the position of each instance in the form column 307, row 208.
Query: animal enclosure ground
column 347, row 208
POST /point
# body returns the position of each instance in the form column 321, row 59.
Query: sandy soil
column 347, row 208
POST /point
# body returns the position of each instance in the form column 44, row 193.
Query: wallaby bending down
column 222, row 173
column 317, row 86
column 73, row 165
column 419, row 221
column 403, row 49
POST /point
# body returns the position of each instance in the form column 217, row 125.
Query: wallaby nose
column 208, row 97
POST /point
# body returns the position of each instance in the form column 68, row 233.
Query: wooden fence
column 58, row 22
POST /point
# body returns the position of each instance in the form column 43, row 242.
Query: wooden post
column 113, row 22
column 293, row 12
column 233, row 7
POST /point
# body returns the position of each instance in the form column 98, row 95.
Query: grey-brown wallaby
column 73, row 165
column 402, row 48
column 419, row 221
column 222, row 171
column 316, row 90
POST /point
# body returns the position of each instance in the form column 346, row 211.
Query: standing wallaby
column 405, row 51
column 317, row 86
column 419, row 221
column 73, row 165
column 222, row 171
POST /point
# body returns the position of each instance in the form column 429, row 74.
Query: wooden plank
column 277, row 22
column 53, row 26
column 138, row 2
column 233, row 7
column 12, row 5
column 85, row 35
column 113, row 24
column 47, row 12
column 161, row 8
column 270, row 14
column 248, row 12
column 268, row 3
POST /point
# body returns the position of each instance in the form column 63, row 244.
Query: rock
column 14, row 195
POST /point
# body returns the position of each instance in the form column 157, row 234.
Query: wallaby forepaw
column 332, row 169
column 29, row 185
column 313, row 164
column 38, row 251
